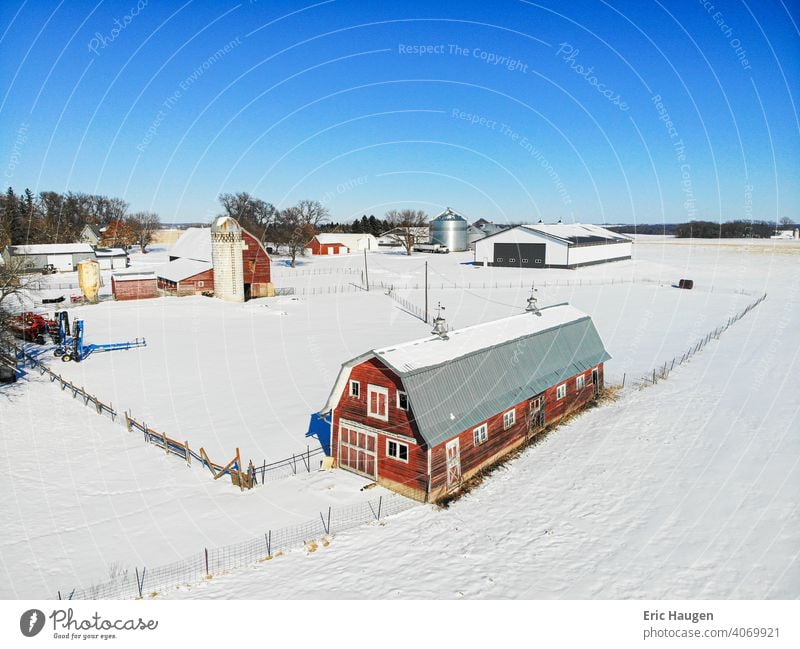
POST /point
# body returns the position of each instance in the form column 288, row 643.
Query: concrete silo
column 226, row 257
column 450, row 229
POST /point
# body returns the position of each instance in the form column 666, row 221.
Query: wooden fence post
column 187, row 453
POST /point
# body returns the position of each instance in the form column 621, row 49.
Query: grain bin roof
column 449, row 215
column 483, row 370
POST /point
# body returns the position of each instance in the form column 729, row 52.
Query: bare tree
column 786, row 223
column 312, row 213
column 293, row 230
column 406, row 225
column 253, row 214
column 144, row 226
column 14, row 280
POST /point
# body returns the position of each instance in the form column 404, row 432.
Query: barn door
column 596, row 381
column 453, row 454
column 358, row 451
column 536, row 415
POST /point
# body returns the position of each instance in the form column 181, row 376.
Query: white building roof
column 195, row 243
column 127, row 277
column 110, row 252
column 181, row 269
column 576, row 233
column 51, row 249
column 430, row 351
column 348, row 239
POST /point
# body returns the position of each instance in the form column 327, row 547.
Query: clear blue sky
column 511, row 111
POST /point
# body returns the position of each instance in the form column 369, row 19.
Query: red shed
column 424, row 416
column 134, row 286
column 186, row 277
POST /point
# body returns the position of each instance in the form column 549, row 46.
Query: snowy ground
column 84, row 498
column 685, row 489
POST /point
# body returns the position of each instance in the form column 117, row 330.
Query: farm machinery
column 32, row 327
column 70, row 344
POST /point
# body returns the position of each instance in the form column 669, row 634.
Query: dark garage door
column 519, row 255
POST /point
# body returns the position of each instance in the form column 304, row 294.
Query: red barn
column 190, row 269
column 134, row 286
column 424, row 416
column 341, row 243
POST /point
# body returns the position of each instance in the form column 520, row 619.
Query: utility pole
column 366, row 269
column 426, row 292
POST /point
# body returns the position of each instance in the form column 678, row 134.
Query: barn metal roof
column 481, row 371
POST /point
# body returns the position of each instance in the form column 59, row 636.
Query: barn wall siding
column 134, row 289
column 410, row 477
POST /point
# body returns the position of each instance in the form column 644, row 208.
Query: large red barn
column 424, row 416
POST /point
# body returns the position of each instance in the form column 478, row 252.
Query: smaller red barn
column 134, row 286
column 186, row 277
column 422, row 417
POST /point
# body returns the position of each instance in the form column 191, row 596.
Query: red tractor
column 32, row 327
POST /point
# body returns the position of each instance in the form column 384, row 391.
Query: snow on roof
column 576, row 232
column 110, row 252
column 195, row 243
column 181, row 269
column 127, row 277
column 348, row 239
column 431, row 351
column 51, row 249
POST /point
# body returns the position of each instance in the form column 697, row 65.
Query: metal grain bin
column 450, row 229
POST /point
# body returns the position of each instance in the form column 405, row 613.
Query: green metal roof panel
column 450, row 398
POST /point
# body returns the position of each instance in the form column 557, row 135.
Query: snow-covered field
column 687, row 489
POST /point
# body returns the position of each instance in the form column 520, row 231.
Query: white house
column 553, row 245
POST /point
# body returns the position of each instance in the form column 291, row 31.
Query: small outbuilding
column 186, row 277
column 341, row 243
column 63, row 256
column 424, row 416
column 111, row 258
column 134, row 286
column 553, row 245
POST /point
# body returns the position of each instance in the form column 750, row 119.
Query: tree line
column 52, row 217
column 738, row 229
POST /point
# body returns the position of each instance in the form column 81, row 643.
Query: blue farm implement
column 72, row 348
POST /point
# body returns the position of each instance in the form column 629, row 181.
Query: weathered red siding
column 255, row 263
column 410, row 477
column 134, row 289
column 193, row 285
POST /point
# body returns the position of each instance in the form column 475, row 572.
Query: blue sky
column 509, row 111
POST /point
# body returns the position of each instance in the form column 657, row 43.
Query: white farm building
column 553, row 245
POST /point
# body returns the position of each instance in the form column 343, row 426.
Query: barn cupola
column 439, row 324
column 532, row 306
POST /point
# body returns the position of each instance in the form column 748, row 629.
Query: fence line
column 215, row 561
column 244, row 478
column 303, row 272
column 663, row 371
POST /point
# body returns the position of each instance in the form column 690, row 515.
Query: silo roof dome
column 450, row 215
column 225, row 224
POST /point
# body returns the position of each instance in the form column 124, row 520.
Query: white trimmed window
column 355, row 389
column 579, row 382
column 201, row 284
column 378, row 402
column 402, row 400
column 561, row 391
column 535, row 404
column 397, row 450
column 480, row 434
column 509, row 419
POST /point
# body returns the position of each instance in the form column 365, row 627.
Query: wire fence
column 144, row 581
column 662, row 372
column 243, row 477
column 305, row 272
